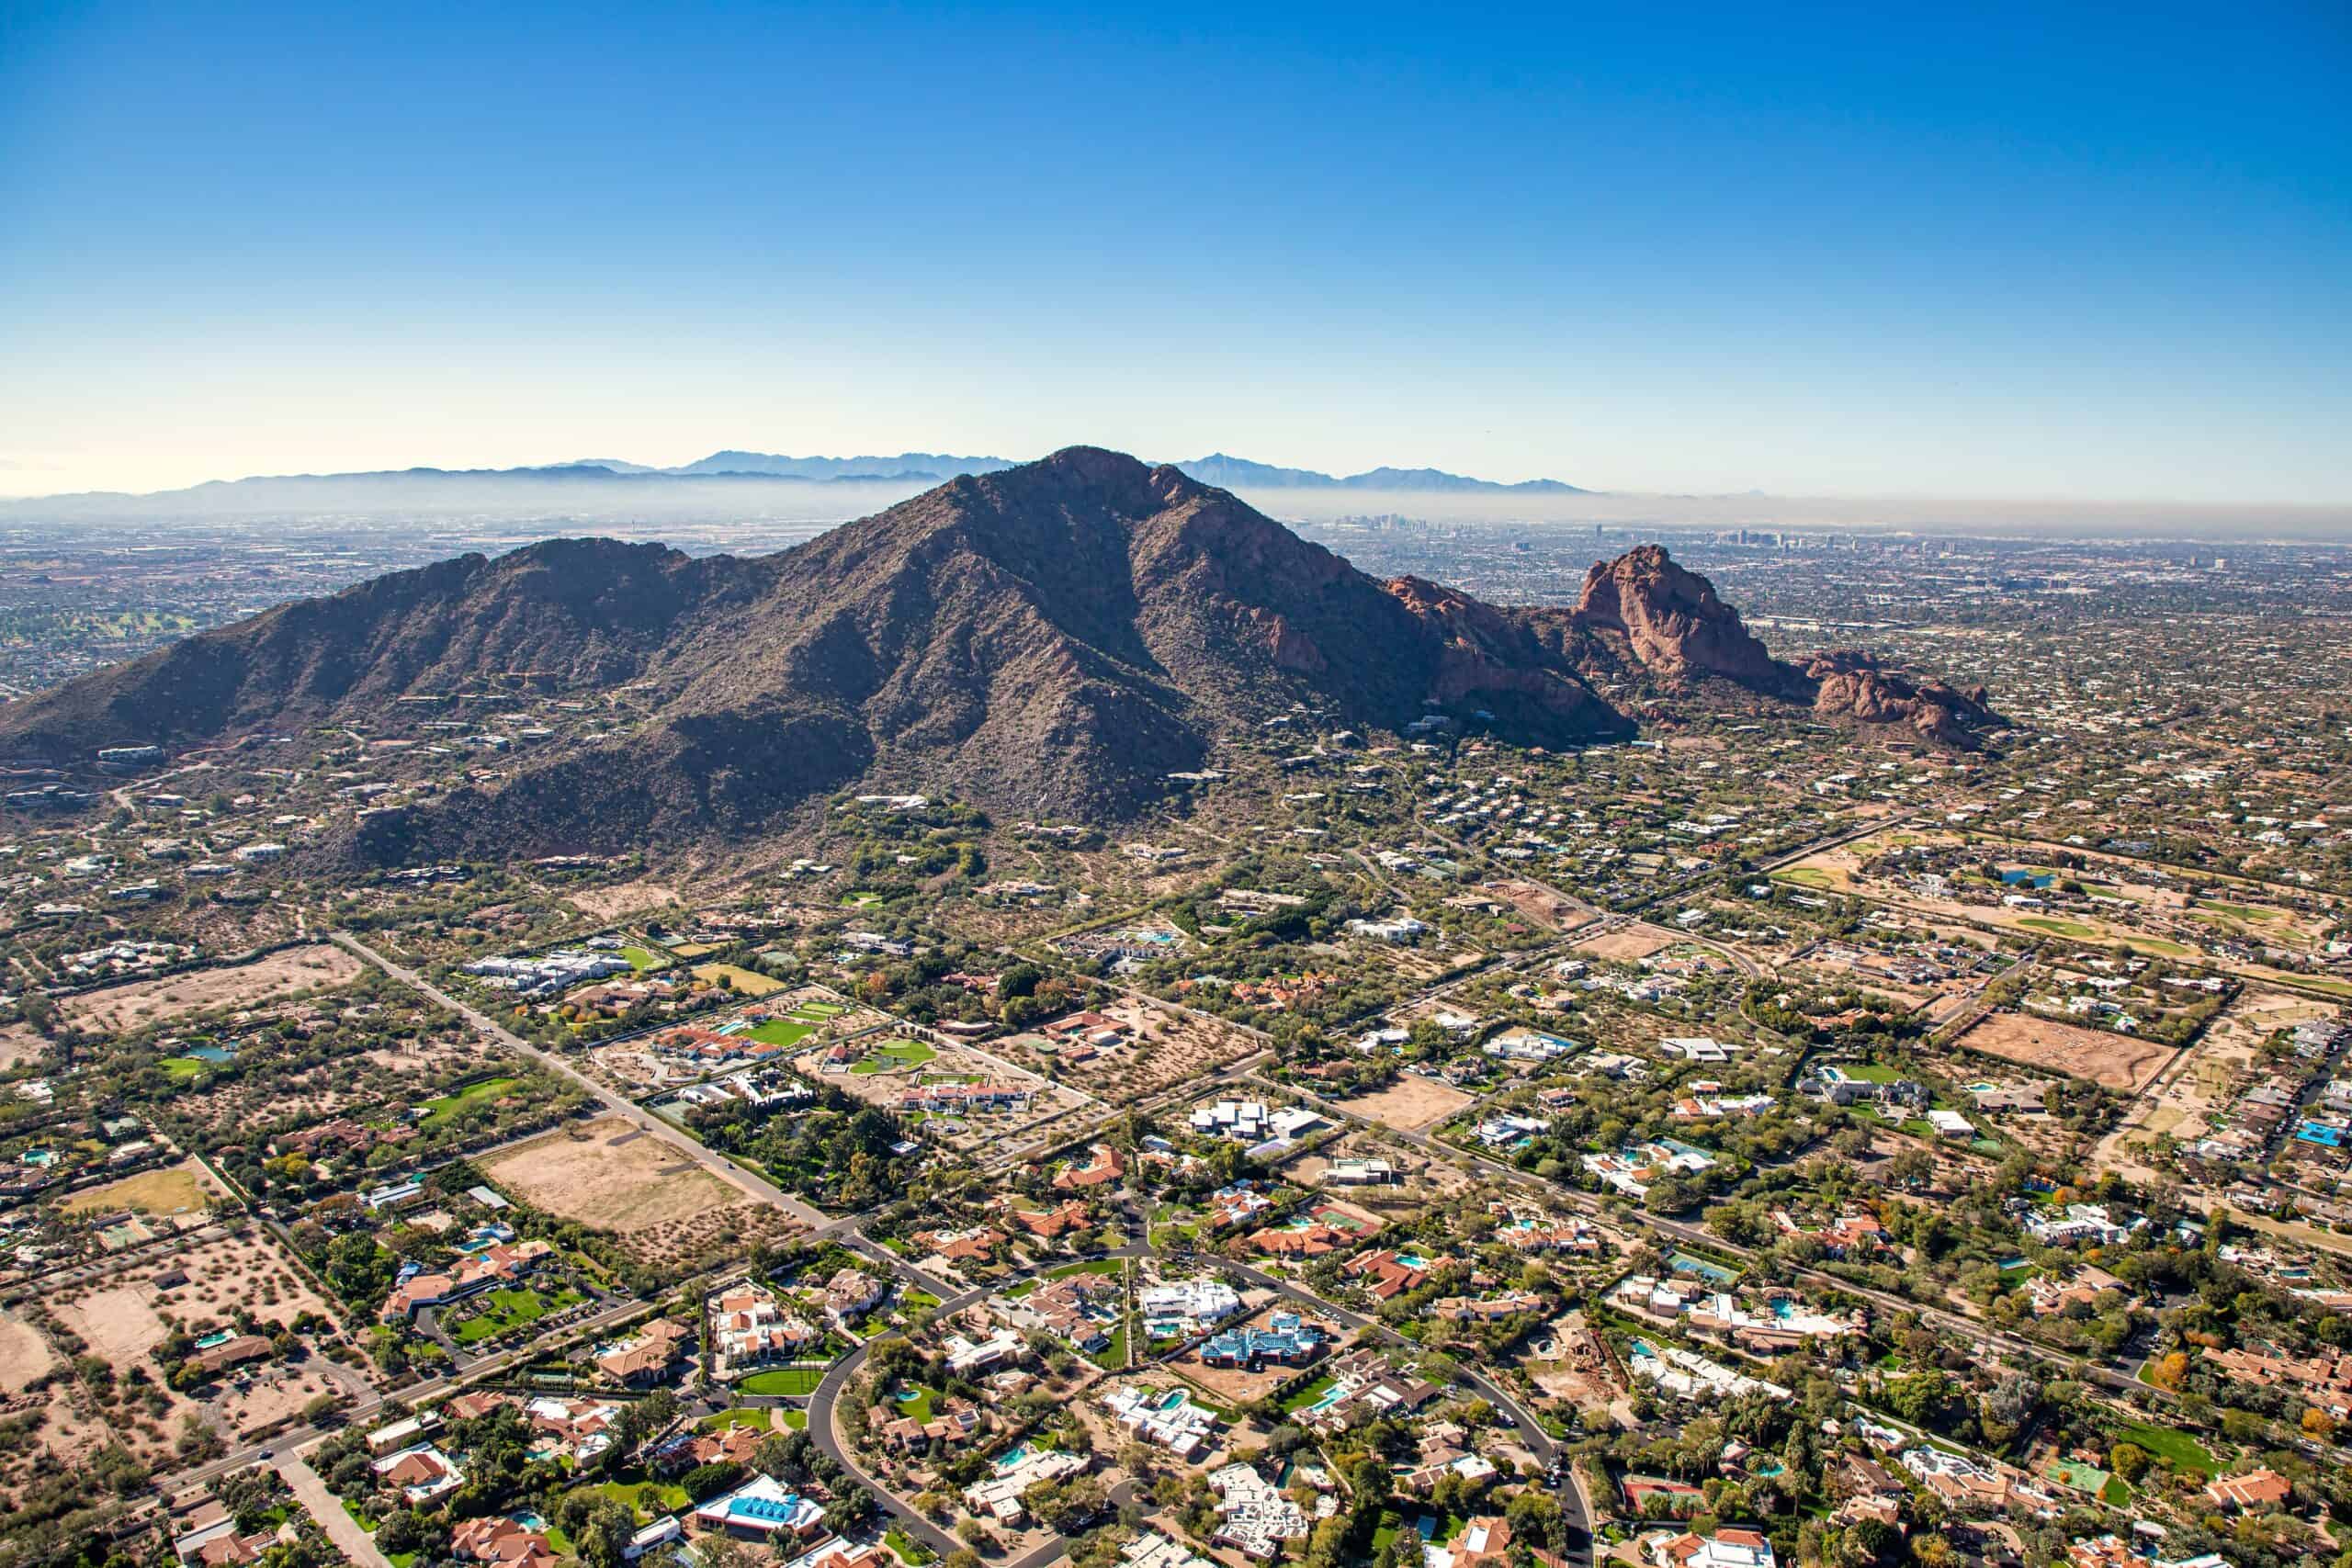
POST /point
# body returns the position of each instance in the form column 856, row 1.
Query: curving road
column 824, row 1402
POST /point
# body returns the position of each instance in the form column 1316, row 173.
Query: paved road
column 820, row 1430
column 358, row 1412
column 1931, row 1316
column 113, row 1263
column 355, row 1544
column 823, row 1403
column 843, row 1230
column 619, row 1104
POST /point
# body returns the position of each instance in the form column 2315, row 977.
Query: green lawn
column 784, row 1379
column 1113, row 1355
column 795, row 1420
column 2244, row 912
column 1392, row 1522
column 2166, row 1442
column 1099, row 1265
column 918, row 1408
column 643, row 959
column 472, row 1094
column 179, row 1069
column 779, row 1031
column 743, row 982
column 2074, row 928
column 1307, row 1395
column 650, row 1498
column 1870, row 1074
column 511, row 1309
column 894, row 1054
column 754, row 1415
column 910, row 1551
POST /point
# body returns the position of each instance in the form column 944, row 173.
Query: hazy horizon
column 2030, row 252
column 513, row 508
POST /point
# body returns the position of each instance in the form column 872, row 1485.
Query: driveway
column 355, row 1543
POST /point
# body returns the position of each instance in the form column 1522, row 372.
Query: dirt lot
column 1569, row 1361
column 128, row 1314
column 24, row 1354
column 621, row 899
column 20, row 1043
column 254, row 1100
column 2191, row 1101
column 1240, row 1385
column 1420, row 1179
column 1164, row 1046
column 1627, row 944
column 281, row 973
column 643, row 1189
column 2112, row 1061
column 123, row 1319
column 276, row 1393
column 610, row 1175
column 1411, row 1103
column 1538, row 904
column 181, row 1189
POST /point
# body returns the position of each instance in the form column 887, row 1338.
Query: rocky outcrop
column 1669, row 623
column 1852, row 683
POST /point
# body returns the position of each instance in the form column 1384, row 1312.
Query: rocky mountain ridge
column 1058, row 638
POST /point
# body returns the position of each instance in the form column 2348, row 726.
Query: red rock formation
column 1671, row 622
column 1852, row 683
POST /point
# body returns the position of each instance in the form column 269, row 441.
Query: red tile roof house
column 495, row 1538
column 646, row 1356
column 422, row 1473
column 851, row 1293
column 1106, row 1166
column 218, row 1545
column 974, row 1244
column 1487, row 1543
column 234, row 1352
column 1387, row 1274
column 690, row 1448
column 1307, row 1241
column 1047, row 1223
column 2254, row 1490
column 469, row 1277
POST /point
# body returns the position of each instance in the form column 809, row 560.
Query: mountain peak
column 1057, row 635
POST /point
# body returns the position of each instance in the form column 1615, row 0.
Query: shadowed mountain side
column 1056, row 638
column 567, row 613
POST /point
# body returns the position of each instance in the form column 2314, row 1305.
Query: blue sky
column 2080, row 254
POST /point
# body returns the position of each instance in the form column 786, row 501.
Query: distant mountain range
column 613, row 481
column 1059, row 637
column 1240, row 473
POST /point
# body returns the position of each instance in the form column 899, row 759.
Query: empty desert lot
column 610, row 1175
column 121, row 1008
column 2111, row 1061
